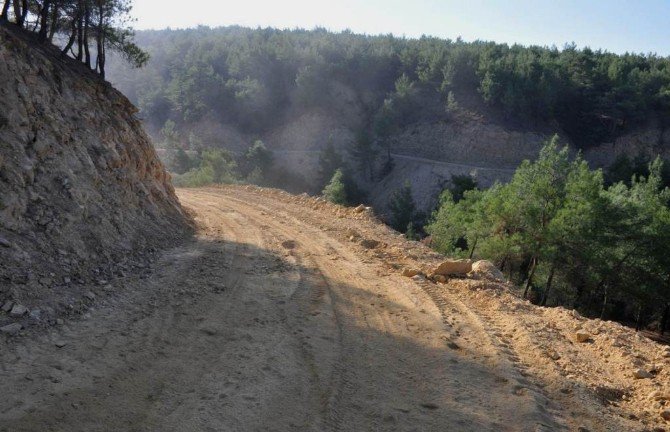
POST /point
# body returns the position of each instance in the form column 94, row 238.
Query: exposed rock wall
column 82, row 192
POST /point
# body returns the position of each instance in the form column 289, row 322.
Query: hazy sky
column 615, row 25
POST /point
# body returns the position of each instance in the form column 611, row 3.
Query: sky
column 616, row 25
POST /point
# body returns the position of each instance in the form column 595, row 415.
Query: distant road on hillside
column 414, row 159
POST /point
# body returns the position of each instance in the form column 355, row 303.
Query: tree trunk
column 73, row 37
column 474, row 245
column 80, row 37
column 17, row 12
column 530, row 276
column 638, row 319
column 547, row 289
column 44, row 21
column 87, row 23
column 24, row 12
column 604, row 306
column 4, row 16
column 664, row 320
column 54, row 21
column 100, row 39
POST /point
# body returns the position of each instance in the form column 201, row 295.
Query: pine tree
column 403, row 209
column 335, row 190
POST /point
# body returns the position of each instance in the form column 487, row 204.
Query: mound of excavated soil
column 83, row 196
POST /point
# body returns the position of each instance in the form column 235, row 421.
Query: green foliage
column 170, row 135
column 403, row 209
column 182, row 162
column 335, row 190
column 461, row 184
column 259, row 156
column 253, row 78
column 364, row 153
column 256, row 176
column 216, row 166
column 258, row 161
column 452, row 105
column 559, row 230
column 624, row 169
column 329, row 162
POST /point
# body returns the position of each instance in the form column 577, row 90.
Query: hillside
column 482, row 106
column 84, row 197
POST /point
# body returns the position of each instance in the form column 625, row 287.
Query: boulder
column 659, row 395
column 18, row 311
column 582, row 336
column 641, row 374
column 360, row 209
column 11, row 329
column 410, row 272
column 369, row 243
column 454, row 267
column 486, row 270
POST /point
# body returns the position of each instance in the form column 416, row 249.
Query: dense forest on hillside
column 253, row 78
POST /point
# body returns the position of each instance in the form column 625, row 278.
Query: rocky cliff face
column 83, row 195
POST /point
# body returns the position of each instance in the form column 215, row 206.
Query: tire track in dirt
column 550, row 418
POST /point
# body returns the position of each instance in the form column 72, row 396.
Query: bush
column 335, row 190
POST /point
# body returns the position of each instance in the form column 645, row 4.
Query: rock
column 11, row 329
column 658, row 395
column 410, row 272
column 90, row 296
column 439, row 278
column 665, row 415
column 7, row 306
column 666, row 353
column 486, row 270
column 454, row 267
column 369, row 243
column 554, row 355
column 352, row 234
column 641, row 374
column 60, row 344
column 59, row 321
column 5, row 243
column 209, row 331
column 582, row 336
column 656, row 368
column 35, row 314
column 360, row 209
column 18, row 311
column 289, row 244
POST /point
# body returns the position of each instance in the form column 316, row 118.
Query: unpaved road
column 269, row 321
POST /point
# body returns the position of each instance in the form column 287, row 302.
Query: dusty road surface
column 275, row 319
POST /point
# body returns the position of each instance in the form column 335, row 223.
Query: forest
column 569, row 236
column 85, row 29
column 254, row 78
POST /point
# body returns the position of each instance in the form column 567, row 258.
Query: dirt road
column 271, row 320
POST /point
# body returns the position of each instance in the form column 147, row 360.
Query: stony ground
column 287, row 313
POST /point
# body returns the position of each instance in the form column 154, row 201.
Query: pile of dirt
column 83, row 196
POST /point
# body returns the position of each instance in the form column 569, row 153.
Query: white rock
column 18, row 311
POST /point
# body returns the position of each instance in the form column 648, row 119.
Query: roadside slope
column 83, row 195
